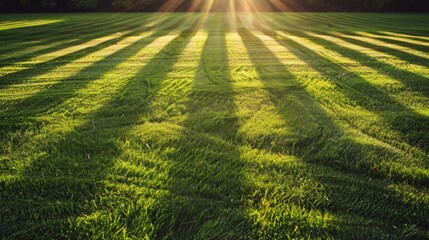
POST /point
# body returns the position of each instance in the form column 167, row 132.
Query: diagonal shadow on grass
column 62, row 41
column 69, row 27
column 8, row 34
column 414, row 81
column 337, row 21
column 397, row 42
column 32, row 106
column 400, row 118
column 207, row 186
column 62, row 183
column 342, row 23
column 20, row 115
column 328, row 148
column 380, row 20
column 47, row 66
column 411, row 58
column 415, row 37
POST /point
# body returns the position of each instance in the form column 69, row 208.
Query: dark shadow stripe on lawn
column 55, row 94
column 397, row 116
column 83, row 25
column 20, row 115
column 61, row 29
column 338, row 20
column 283, row 98
column 59, row 42
column 314, row 18
column 401, row 54
column 402, row 43
column 207, row 188
column 344, row 23
column 45, row 67
column 25, row 75
column 6, row 34
column 328, row 19
column 59, row 186
column 330, row 144
column 388, row 21
column 119, row 25
column 412, row 32
column 380, row 20
column 412, row 37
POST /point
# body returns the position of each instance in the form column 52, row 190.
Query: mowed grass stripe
column 414, row 46
column 59, row 122
column 48, row 164
column 124, row 24
column 411, row 80
column 183, row 195
column 66, row 30
column 65, row 72
column 150, row 85
column 387, row 84
column 60, row 55
column 107, row 68
column 66, row 25
column 70, row 81
column 20, row 24
column 22, row 52
column 372, row 62
column 401, row 59
column 260, row 151
column 405, row 37
column 86, row 30
column 368, row 110
column 52, row 94
column 408, row 55
column 262, row 212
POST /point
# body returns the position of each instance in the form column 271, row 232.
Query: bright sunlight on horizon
column 230, row 6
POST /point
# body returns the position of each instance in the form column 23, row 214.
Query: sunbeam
column 250, row 10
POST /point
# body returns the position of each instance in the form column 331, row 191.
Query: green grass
column 181, row 126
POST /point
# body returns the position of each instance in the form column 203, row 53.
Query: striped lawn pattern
column 214, row 126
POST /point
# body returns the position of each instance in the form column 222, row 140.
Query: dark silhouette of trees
column 220, row 5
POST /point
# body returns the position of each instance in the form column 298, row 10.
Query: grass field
column 218, row 126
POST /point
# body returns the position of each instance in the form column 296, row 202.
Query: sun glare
column 226, row 5
column 237, row 10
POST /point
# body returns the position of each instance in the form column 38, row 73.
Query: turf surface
column 219, row 126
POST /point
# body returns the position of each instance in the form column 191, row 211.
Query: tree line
column 219, row 5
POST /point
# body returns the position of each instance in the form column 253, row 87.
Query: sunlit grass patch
column 6, row 25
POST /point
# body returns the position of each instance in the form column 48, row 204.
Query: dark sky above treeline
column 219, row 5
